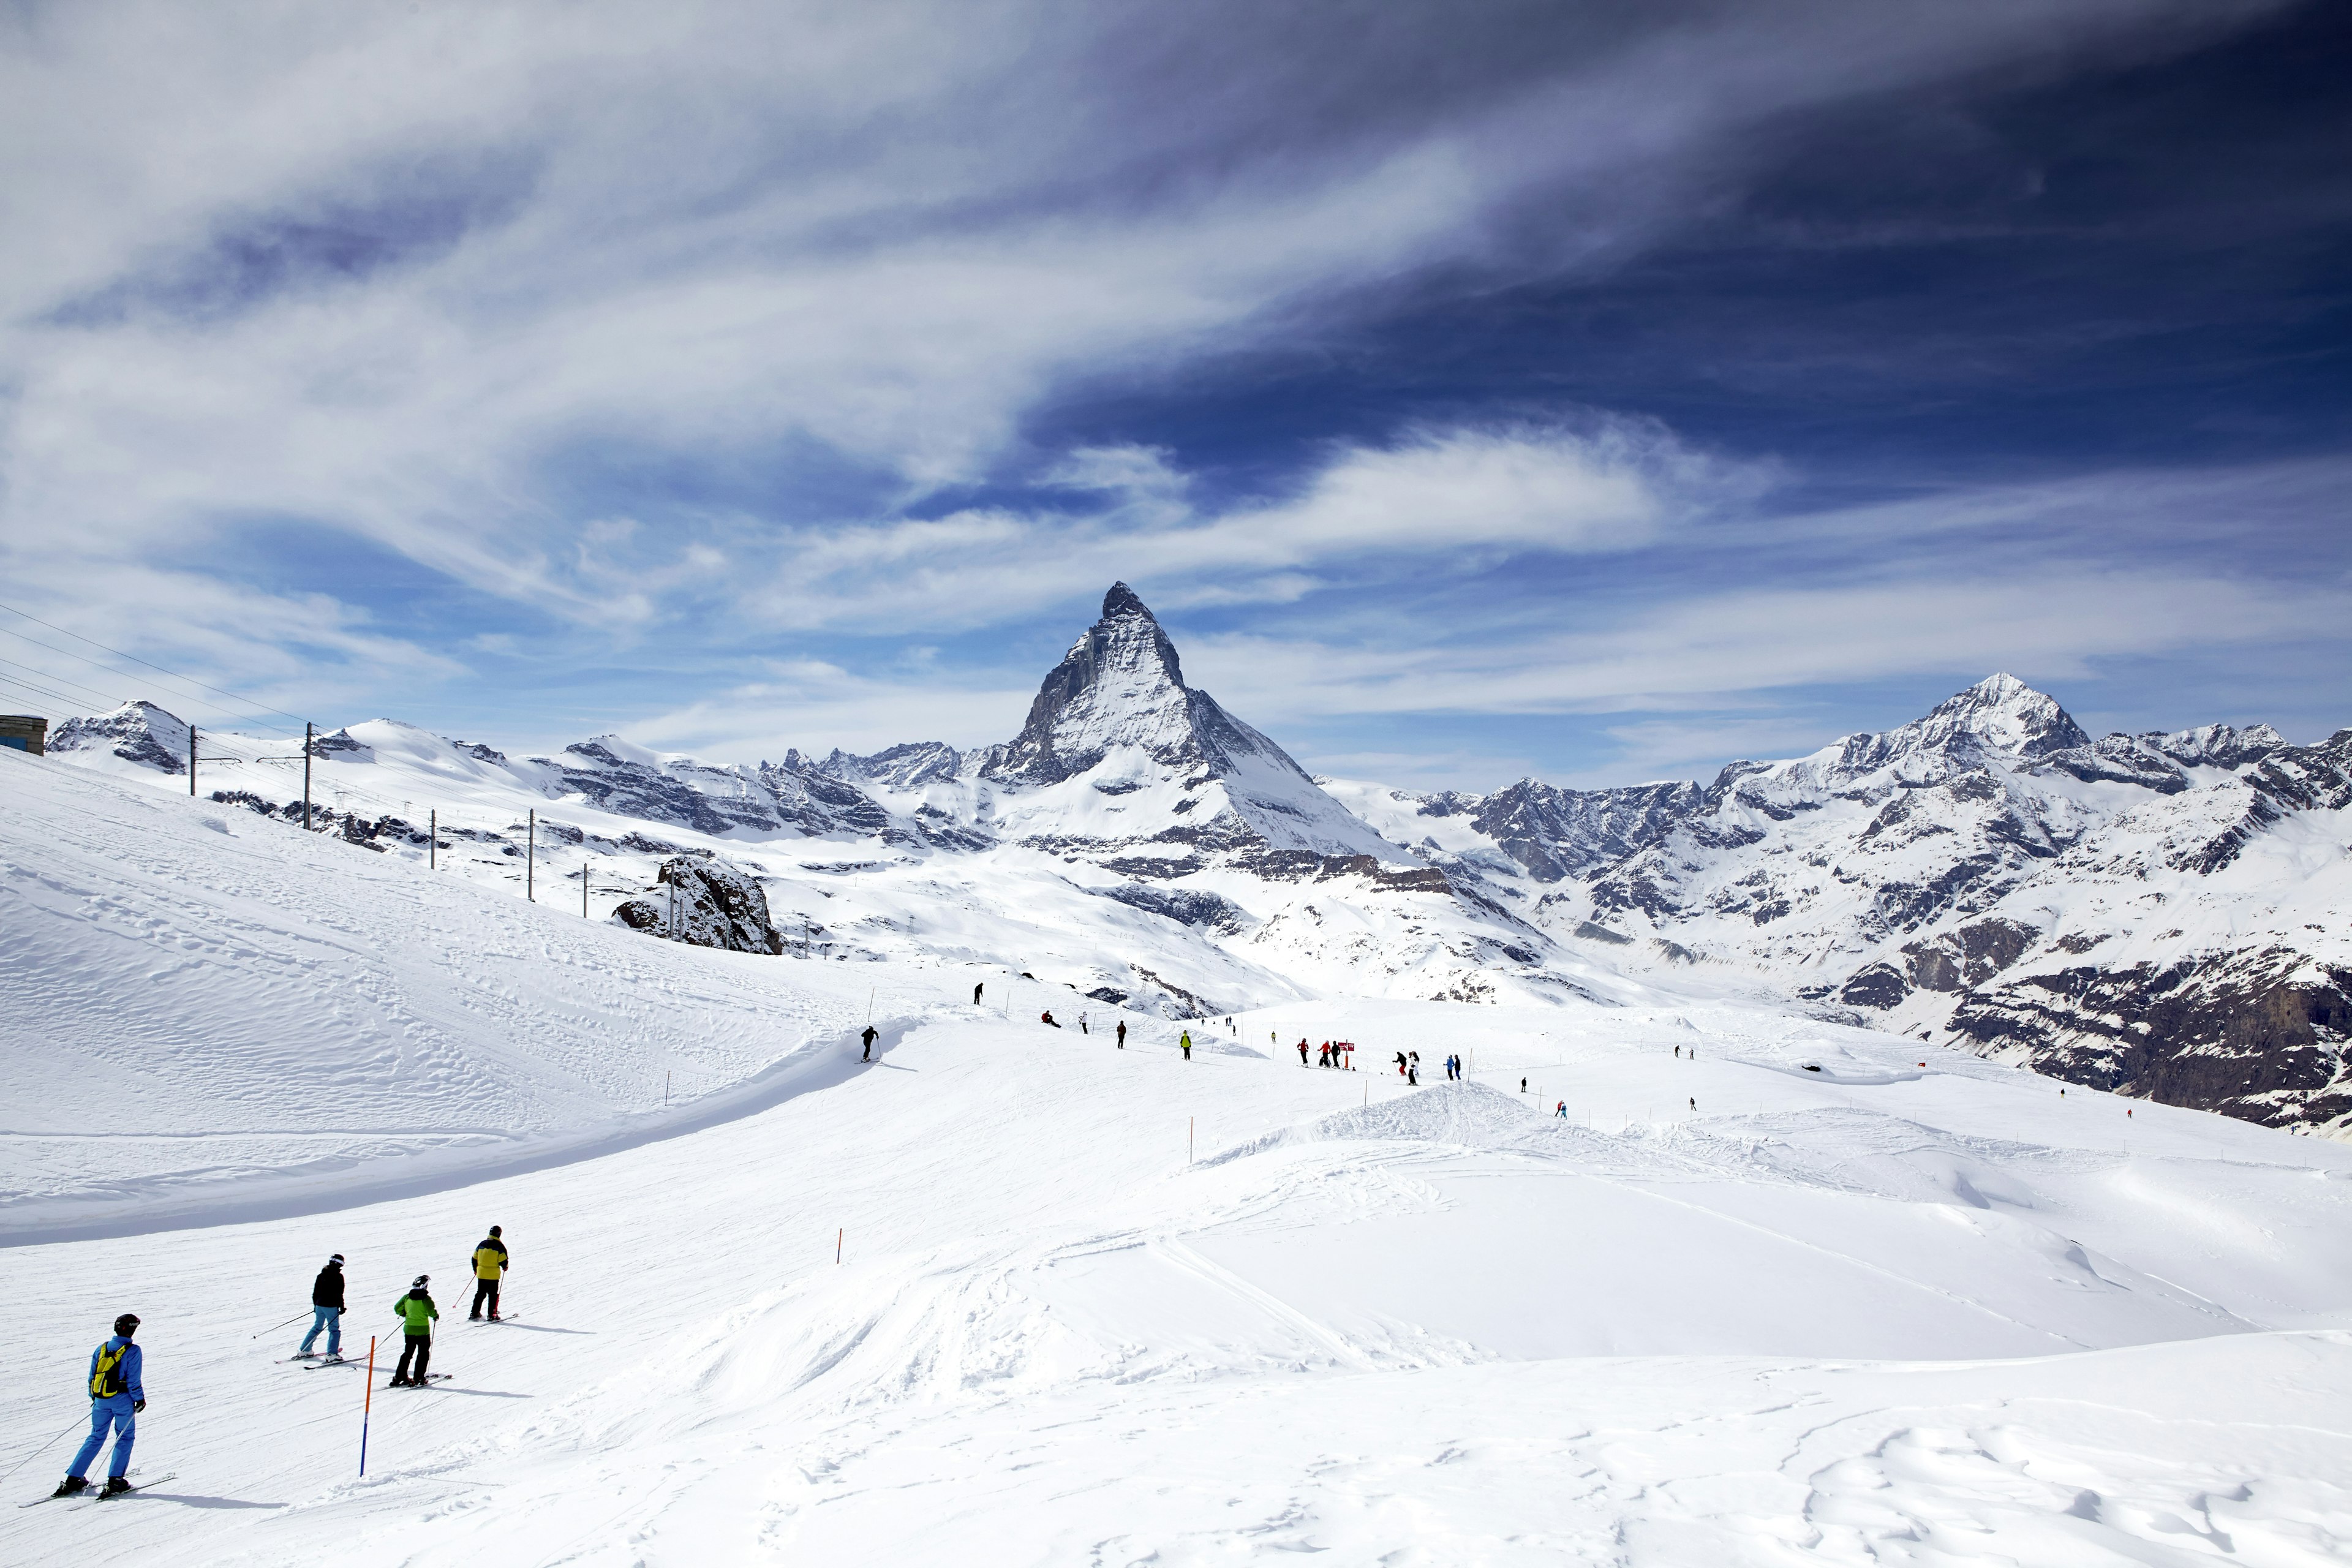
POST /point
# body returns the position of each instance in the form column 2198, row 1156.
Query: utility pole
column 307, row 731
column 531, row 859
column 192, row 761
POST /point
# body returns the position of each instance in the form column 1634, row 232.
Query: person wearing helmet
column 489, row 1267
column 417, row 1314
column 1187, row 1043
column 116, row 1397
column 326, row 1310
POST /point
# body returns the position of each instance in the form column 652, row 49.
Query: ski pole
column 274, row 1327
column 36, row 1453
column 367, row 1405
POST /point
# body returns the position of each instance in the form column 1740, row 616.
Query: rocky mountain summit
column 2158, row 914
column 2153, row 914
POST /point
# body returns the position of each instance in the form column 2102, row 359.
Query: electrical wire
column 61, row 680
column 135, row 658
column 23, row 685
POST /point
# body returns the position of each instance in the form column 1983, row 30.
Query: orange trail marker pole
column 367, row 1405
column 839, row 1236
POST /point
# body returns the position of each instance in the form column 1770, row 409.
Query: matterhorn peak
column 1120, row 684
column 1122, row 601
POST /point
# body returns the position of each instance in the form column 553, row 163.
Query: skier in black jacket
column 326, row 1309
column 868, row 1038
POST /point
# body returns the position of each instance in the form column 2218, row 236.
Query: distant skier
column 1047, row 1017
column 1694, row 1104
column 1302, row 1052
column 489, row 1267
column 1187, row 1043
column 326, row 1309
column 868, row 1037
column 1563, row 1109
column 116, row 1398
column 1082, row 1024
column 1122, row 1034
column 1523, row 1086
column 976, row 991
column 417, row 1315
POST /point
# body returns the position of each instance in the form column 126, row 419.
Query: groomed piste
column 1007, row 1294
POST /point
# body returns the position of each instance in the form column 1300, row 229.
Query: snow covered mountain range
column 2159, row 915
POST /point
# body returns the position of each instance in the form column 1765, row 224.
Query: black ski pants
column 484, row 1290
column 421, row 1347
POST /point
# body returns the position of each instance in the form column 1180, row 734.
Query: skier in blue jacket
column 116, row 1396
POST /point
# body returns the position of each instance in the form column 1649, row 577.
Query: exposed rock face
column 137, row 732
column 908, row 767
column 2263, row 1034
column 1185, row 906
column 1556, row 833
column 707, row 905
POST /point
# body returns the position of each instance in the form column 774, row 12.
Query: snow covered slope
column 212, row 1013
column 1367, row 1320
column 1772, row 1290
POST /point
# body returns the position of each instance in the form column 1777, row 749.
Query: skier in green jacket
column 417, row 1314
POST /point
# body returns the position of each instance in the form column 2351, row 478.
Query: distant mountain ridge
column 2156, row 914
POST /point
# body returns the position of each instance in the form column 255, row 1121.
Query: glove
column 137, row 1406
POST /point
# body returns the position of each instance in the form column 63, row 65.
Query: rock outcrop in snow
column 704, row 904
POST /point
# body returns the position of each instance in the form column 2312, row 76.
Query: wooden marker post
column 192, row 761
column 433, row 839
column 531, row 859
column 839, row 1237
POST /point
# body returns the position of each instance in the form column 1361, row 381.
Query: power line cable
column 61, row 680
column 135, row 658
column 23, row 685
column 179, row 698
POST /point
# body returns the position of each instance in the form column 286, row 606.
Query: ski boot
column 115, row 1484
column 70, row 1486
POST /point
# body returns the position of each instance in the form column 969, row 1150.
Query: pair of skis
column 99, row 1495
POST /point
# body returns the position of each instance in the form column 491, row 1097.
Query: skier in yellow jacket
column 489, row 1267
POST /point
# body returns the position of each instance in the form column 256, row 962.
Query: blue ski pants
column 108, row 1414
column 332, row 1319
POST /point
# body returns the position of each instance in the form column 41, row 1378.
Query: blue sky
column 1595, row 392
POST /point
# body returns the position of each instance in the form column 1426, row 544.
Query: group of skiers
column 1329, row 1054
column 118, row 1391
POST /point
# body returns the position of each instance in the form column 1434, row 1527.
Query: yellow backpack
column 106, row 1381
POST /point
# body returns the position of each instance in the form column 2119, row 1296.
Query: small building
column 24, row 733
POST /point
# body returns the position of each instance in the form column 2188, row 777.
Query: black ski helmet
column 494, row 1230
column 127, row 1324
column 419, row 1282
